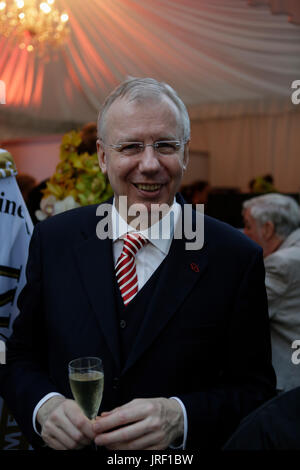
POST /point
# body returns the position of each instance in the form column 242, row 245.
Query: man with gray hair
column 273, row 220
column 183, row 334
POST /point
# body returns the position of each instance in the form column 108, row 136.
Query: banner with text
column 15, row 233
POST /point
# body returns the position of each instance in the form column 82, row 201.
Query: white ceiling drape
column 223, row 57
column 289, row 7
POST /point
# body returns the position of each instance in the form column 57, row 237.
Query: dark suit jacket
column 273, row 426
column 204, row 337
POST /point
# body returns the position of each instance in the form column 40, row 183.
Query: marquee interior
column 233, row 63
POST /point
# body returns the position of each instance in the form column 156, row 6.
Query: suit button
column 123, row 324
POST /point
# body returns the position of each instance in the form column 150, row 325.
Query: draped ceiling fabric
column 228, row 60
column 291, row 7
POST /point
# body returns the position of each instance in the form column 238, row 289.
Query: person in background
column 272, row 221
column 34, row 199
column 200, row 192
column 196, row 193
column 187, row 193
column 26, row 183
column 89, row 139
column 273, row 426
column 262, row 184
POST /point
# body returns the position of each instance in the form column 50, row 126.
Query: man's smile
column 149, row 187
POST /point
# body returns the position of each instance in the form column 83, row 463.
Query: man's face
column 252, row 230
column 148, row 177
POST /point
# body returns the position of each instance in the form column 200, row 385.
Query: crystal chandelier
column 33, row 25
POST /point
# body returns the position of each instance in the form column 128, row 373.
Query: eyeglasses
column 162, row 147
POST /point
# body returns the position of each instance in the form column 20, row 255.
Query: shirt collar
column 159, row 234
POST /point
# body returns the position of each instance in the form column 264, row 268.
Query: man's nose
column 149, row 161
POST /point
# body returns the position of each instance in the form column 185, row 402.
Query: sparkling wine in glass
column 86, row 378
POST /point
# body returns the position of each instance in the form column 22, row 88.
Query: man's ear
column 101, row 156
column 268, row 230
column 186, row 156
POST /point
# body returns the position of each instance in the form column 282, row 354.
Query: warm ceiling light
column 64, row 17
column 38, row 25
column 45, row 7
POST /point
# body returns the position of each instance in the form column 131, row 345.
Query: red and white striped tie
column 126, row 268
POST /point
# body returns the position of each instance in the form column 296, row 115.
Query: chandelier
column 33, row 25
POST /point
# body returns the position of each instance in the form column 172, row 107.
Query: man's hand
column 64, row 426
column 148, row 424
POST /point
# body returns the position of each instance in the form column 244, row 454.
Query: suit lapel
column 95, row 263
column 181, row 270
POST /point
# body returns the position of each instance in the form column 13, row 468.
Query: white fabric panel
column 246, row 147
column 221, row 57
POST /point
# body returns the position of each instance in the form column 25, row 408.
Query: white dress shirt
column 147, row 260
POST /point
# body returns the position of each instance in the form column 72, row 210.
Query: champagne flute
column 86, row 378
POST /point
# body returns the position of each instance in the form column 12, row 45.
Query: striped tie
column 125, row 267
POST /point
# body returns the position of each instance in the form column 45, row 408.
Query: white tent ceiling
column 222, row 56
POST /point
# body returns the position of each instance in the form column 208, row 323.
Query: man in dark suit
column 273, row 426
column 183, row 333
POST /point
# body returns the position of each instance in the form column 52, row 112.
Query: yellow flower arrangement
column 77, row 181
column 261, row 186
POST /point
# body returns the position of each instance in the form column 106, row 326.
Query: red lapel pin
column 194, row 267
